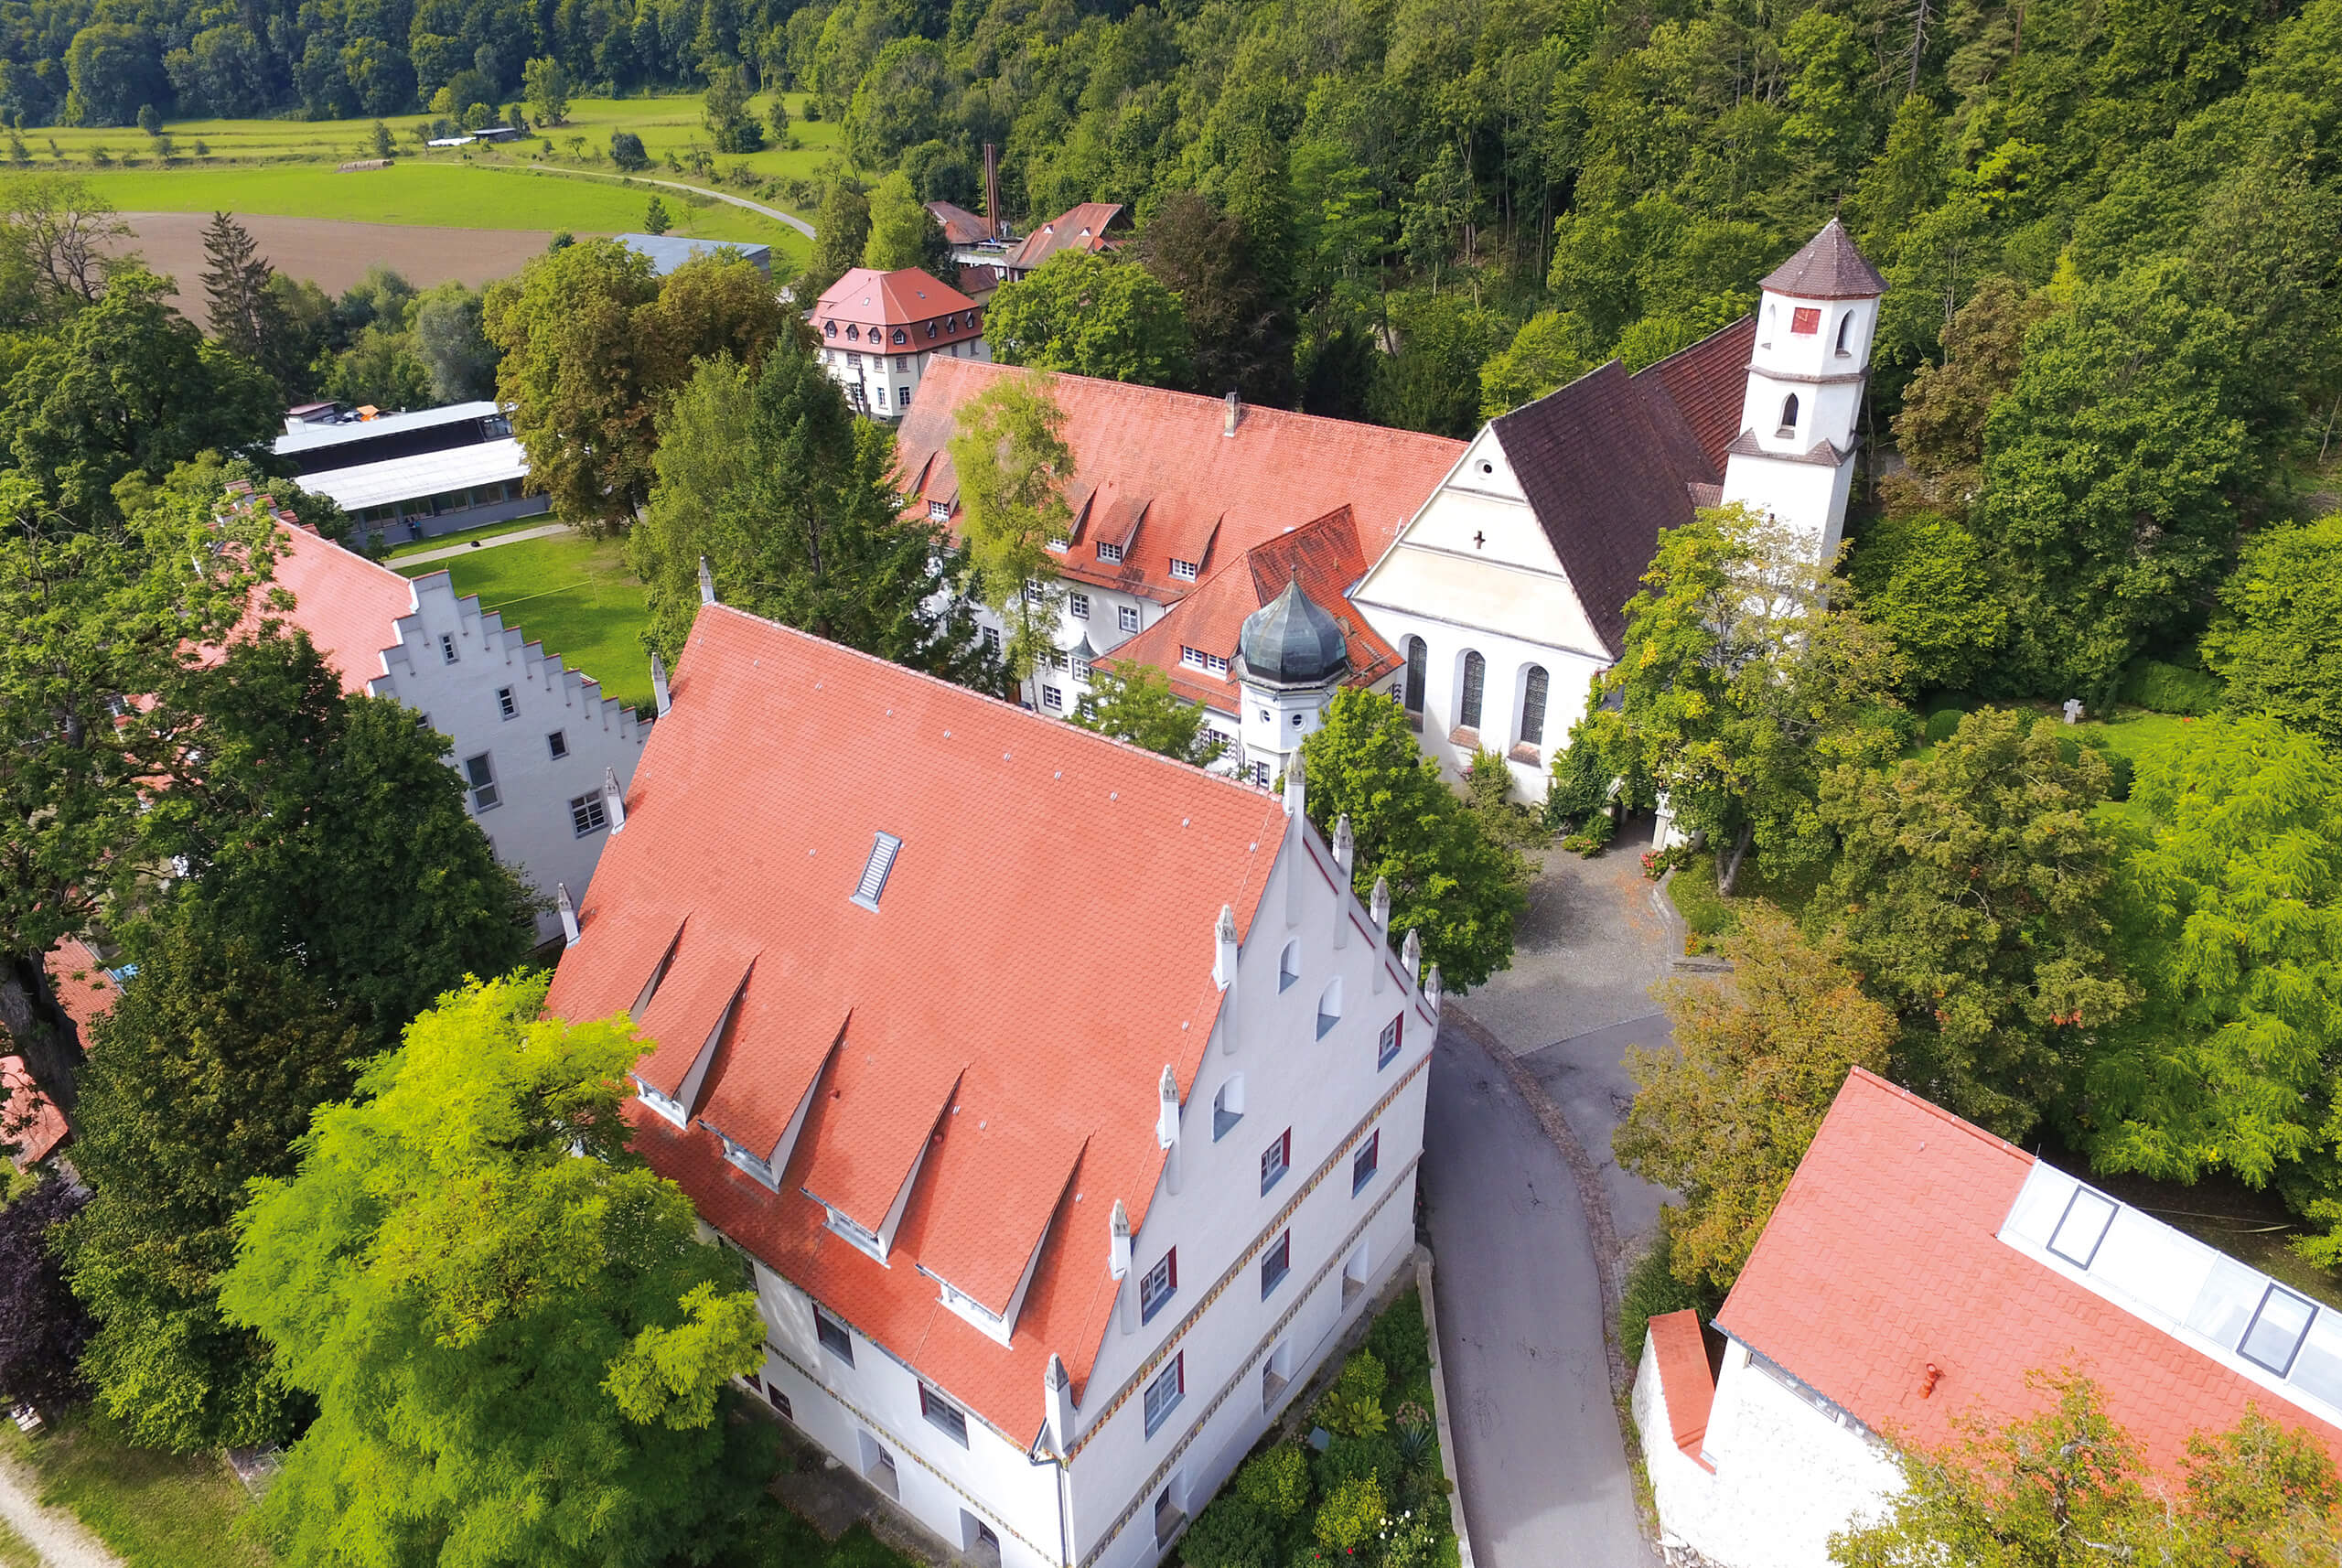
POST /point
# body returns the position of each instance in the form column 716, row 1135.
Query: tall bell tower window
column 1788, row 416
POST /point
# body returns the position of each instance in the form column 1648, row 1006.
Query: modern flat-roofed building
column 668, row 252
column 1039, row 1258
column 408, row 475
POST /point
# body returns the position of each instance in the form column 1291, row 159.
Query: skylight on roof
column 874, row 870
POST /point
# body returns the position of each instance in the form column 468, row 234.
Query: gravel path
column 775, row 213
column 450, row 552
column 62, row 1540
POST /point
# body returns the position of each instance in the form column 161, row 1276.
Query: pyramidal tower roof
column 1830, row 267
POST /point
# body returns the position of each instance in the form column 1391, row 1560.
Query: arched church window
column 1532, row 706
column 1418, row 658
column 1475, row 676
column 1788, row 416
column 1771, row 312
column 1846, row 336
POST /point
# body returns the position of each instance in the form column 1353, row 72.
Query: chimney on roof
column 1223, row 965
column 1434, row 993
column 706, row 583
column 1057, row 1394
column 1235, row 414
column 1411, row 957
column 659, row 693
column 569, row 932
column 614, row 800
column 991, row 190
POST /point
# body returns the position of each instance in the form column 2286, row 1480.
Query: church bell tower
column 1794, row 456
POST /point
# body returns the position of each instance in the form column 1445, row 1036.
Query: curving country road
column 775, row 213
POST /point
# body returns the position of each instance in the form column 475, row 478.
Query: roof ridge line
column 1952, row 1119
column 1019, row 708
column 1207, row 401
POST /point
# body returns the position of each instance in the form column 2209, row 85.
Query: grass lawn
column 572, row 594
column 1711, row 915
column 16, row 1552
column 157, row 1510
column 464, row 536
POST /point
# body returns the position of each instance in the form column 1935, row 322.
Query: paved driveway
column 1543, row 1466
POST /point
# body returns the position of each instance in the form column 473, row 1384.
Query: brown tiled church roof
column 1830, row 267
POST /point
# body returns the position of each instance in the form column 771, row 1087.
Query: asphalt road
column 1543, row 1466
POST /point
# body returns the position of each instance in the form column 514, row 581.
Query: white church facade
column 1041, row 1261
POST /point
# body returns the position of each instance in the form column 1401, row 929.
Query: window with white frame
column 479, row 772
column 1219, row 666
column 939, row 511
column 507, row 703
column 1193, row 658
column 1276, row 1264
column 557, row 744
column 1158, row 1284
column 1387, row 1051
column 1081, row 670
column 943, row 1415
column 1276, row 1159
column 834, row 1337
column 1366, row 1162
column 1163, row 1394
column 1109, row 552
column 991, row 640
column 1032, row 594
column 1052, row 698
column 587, row 814
column 1126, row 617
column 1182, row 570
column 1078, row 606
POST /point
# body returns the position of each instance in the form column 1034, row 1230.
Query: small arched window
column 1288, row 965
column 1227, row 1106
column 1329, row 1007
column 854, row 334
column 1788, row 416
column 1476, row 678
column 830, row 329
column 900, row 336
column 1418, row 658
column 1771, row 313
column 1846, row 336
column 1532, row 706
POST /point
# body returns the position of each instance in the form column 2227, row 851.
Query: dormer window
column 854, row 334
column 901, row 336
column 1109, row 552
column 930, row 330
column 1182, row 570
column 757, row 1169
column 863, row 1240
column 1789, row 418
column 1193, row 658
column 939, row 511
column 665, row 1105
column 829, row 329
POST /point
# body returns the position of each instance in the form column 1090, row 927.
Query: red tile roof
column 1708, row 384
column 1884, row 1255
column 1082, row 228
column 905, row 298
column 1828, row 267
column 1684, row 1378
column 960, row 227
column 1323, row 554
column 349, row 605
column 87, row 993
column 937, row 1032
column 1159, row 463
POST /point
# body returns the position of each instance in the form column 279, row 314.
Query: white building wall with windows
column 536, row 742
column 884, row 380
column 1344, row 1105
column 1101, row 615
column 1474, row 574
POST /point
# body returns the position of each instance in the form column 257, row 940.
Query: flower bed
column 1375, row 1496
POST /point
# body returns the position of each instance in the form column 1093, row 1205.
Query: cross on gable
column 1478, row 538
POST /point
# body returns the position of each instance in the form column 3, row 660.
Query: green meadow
column 572, row 594
column 288, row 167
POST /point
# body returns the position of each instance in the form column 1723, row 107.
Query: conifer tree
column 247, row 318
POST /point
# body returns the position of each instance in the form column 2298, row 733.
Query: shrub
column 1352, row 1514
column 1231, row 1534
column 1942, row 724
column 1276, row 1483
column 1653, row 1291
column 2122, row 769
column 1354, row 1407
column 1415, row 1539
column 2163, row 688
column 1349, row 1459
column 1399, row 1342
column 626, row 151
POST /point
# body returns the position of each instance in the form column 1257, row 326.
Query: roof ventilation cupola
column 1289, row 642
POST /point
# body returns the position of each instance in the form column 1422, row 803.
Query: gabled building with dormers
column 1040, row 1260
column 880, row 334
column 545, row 757
column 1168, row 492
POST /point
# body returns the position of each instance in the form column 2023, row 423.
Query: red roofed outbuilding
column 1093, row 226
column 1915, row 1274
column 1038, row 1256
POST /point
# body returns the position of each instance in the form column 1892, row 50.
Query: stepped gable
column 1830, row 267
column 1885, row 1255
column 942, row 1077
column 1157, row 473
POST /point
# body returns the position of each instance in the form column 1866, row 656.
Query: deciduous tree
column 1449, row 882
column 792, row 502
column 517, row 1353
column 1724, row 1116
column 1092, row 315
column 1927, row 583
column 1009, row 452
column 2275, row 641
column 545, row 84
column 1975, row 895
column 1135, row 703
column 1241, row 331
column 903, row 233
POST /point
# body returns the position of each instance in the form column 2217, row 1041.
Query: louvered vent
column 874, row 870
